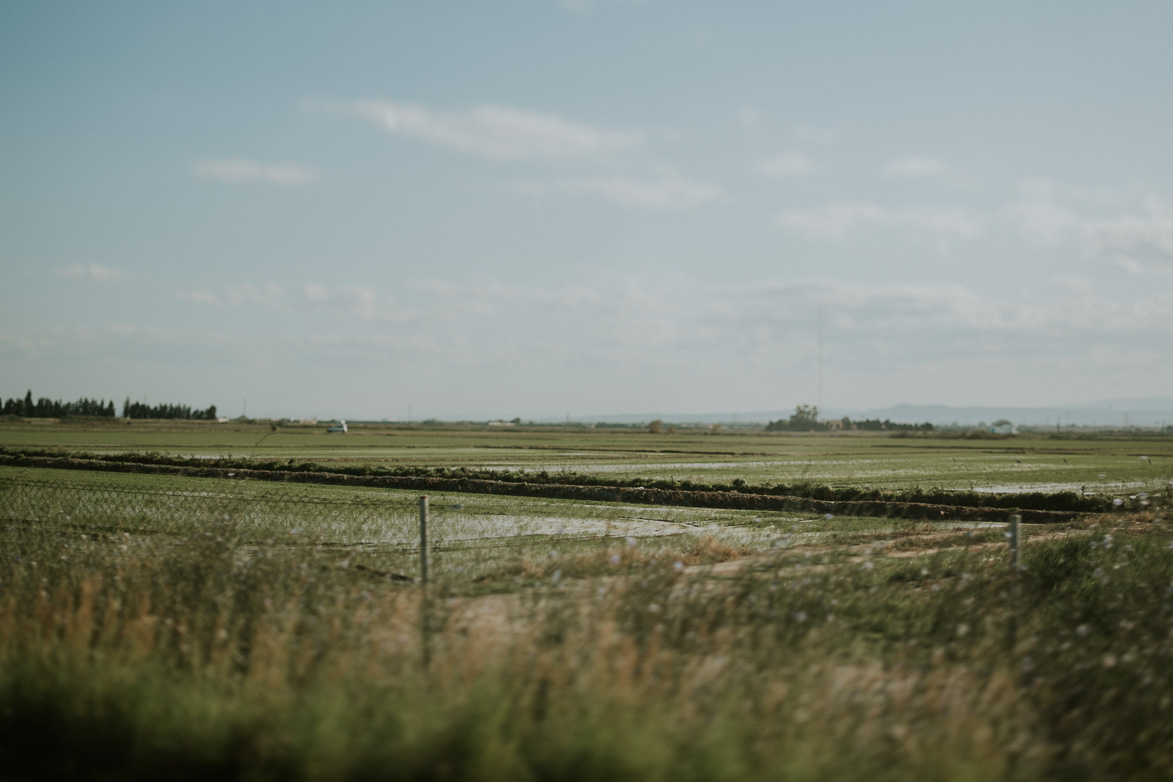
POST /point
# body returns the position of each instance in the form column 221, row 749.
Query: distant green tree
column 29, row 407
column 805, row 418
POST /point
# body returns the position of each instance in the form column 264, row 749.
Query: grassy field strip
column 384, row 524
column 1107, row 463
column 146, row 502
column 163, row 626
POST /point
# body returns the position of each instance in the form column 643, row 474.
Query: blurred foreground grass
column 209, row 642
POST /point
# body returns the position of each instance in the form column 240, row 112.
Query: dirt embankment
column 735, row 500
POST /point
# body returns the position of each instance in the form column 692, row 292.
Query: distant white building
column 1002, row 426
column 339, row 427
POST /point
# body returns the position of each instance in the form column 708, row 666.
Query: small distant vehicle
column 338, row 427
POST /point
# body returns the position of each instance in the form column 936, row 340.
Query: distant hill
column 1115, row 413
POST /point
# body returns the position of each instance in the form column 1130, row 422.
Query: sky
column 572, row 208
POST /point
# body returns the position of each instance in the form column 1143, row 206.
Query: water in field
column 1046, row 488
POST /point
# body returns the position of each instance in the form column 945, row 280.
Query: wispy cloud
column 1133, row 236
column 359, row 301
column 837, row 220
column 787, row 164
column 628, row 319
column 915, row 167
column 241, row 170
column 91, row 271
column 499, row 132
column 269, row 295
column 198, row 297
column 663, row 193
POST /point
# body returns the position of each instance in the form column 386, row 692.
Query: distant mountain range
column 1114, row 413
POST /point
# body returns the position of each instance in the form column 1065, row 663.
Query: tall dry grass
column 139, row 657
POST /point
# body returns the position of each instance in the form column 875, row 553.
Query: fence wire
column 387, row 522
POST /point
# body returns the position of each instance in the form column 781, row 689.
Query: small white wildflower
column 631, row 542
column 614, row 559
column 678, row 566
column 1082, row 631
column 962, row 630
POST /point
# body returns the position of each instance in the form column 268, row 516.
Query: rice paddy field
column 169, row 624
column 1093, row 463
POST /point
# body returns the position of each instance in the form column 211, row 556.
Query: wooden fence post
column 424, row 540
column 1014, row 541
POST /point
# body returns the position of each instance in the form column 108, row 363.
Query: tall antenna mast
column 819, row 348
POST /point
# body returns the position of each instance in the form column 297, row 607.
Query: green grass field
column 171, row 626
column 1104, row 463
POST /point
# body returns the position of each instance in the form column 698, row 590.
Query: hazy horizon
column 541, row 209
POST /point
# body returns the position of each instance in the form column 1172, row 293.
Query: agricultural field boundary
column 739, row 498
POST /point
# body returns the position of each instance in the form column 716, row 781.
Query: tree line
column 806, row 419
column 100, row 408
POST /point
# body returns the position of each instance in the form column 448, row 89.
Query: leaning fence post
column 424, row 540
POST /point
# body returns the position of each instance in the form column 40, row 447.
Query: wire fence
column 387, row 521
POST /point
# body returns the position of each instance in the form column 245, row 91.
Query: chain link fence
column 386, row 520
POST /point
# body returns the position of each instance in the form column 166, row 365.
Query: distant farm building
column 338, row 427
column 1002, row 426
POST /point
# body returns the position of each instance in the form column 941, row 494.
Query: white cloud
column 664, row 193
column 242, row 170
column 837, row 220
column 499, row 132
column 1130, row 266
column 92, row 271
column 1142, row 233
column 915, row 167
column 198, row 297
column 269, row 294
column 359, row 301
column 1147, row 233
column 313, row 291
column 787, row 164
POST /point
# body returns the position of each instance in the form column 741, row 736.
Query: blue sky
column 542, row 208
